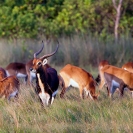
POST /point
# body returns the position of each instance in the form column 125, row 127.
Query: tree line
column 33, row 18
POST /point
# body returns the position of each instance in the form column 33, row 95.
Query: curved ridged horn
column 38, row 52
column 48, row 55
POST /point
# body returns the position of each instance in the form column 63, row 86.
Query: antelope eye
column 39, row 63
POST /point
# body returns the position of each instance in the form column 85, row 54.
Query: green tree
column 31, row 18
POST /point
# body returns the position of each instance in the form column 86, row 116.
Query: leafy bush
column 24, row 19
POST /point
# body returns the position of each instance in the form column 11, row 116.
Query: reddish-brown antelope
column 77, row 77
column 125, row 76
column 47, row 80
column 9, row 87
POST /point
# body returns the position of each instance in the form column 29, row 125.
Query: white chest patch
column 73, row 83
column 43, row 95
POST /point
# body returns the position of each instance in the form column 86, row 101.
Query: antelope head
column 42, row 61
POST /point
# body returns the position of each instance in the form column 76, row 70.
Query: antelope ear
column 44, row 62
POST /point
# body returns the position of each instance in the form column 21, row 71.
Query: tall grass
column 78, row 50
column 71, row 114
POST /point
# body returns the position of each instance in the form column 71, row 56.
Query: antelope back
column 128, row 66
column 77, row 77
column 14, row 67
column 80, row 76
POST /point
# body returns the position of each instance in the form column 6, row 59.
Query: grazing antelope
column 113, row 83
column 125, row 76
column 77, row 77
column 18, row 67
column 9, row 87
column 128, row 66
column 47, row 80
column 100, row 66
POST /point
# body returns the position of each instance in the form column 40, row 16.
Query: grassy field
column 72, row 114
column 68, row 115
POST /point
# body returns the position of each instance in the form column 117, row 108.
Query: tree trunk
column 118, row 15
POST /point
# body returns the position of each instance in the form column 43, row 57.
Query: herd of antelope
column 48, row 79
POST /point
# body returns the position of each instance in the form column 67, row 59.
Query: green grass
column 71, row 114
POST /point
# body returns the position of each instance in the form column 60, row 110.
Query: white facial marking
column 73, row 83
column 45, row 61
